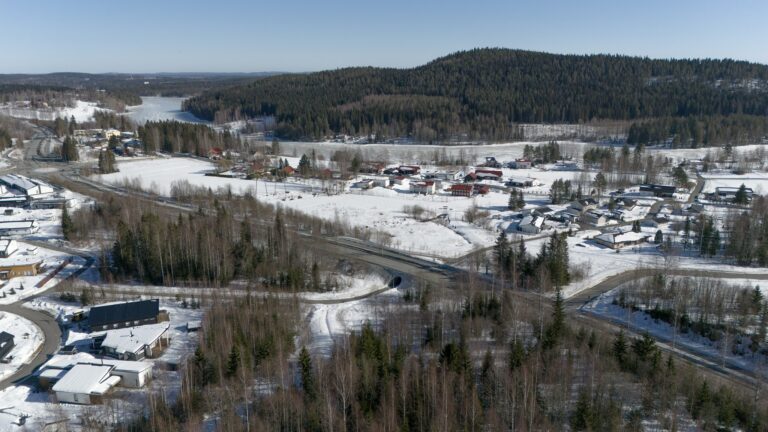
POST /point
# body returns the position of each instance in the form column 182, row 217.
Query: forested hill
column 482, row 92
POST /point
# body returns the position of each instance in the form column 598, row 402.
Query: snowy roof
column 64, row 362
column 626, row 237
column 6, row 245
column 17, row 224
column 86, row 379
column 134, row 339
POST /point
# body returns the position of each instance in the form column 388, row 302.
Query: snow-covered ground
column 158, row 108
column 158, row 175
column 640, row 321
column 328, row 322
column 82, row 112
column 758, row 181
column 376, row 209
column 26, row 400
column 23, row 287
column 27, row 340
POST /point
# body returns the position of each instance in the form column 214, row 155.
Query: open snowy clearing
column 27, row 340
column 158, row 175
column 758, row 181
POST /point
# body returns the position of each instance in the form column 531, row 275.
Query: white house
column 135, row 343
column 20, row 227
column 85, row 384
column 531, row 224
column 132, row 374
column 423, row 187
column 620, row 240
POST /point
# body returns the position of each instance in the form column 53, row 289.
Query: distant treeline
column 482, row 94
column 700, row 131
column 177, row 137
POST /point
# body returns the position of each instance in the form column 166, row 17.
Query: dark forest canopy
column 480, row 94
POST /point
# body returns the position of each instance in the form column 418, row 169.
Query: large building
column 20, row 227
column 19, row 267
column 29, row 187
column 121, row 315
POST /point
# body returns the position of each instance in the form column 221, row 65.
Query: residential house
column 132, row 374
column 85, row 384
column 426, row 187
column 621, row 239
column 531, row 224
column 136, row 343
column 491, row 162
column 662, row 191
column 519, row 183
column 488, row 174
column 583, row 205
column 399, row 180
column 464, row 190
column 520, row 164
column 126, row 314
column 409, row 170
column 594, row 218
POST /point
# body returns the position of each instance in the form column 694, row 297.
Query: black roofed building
column 128, row 314
column 6, row 344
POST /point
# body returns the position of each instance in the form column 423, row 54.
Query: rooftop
column 89, row 379
column 133, row 339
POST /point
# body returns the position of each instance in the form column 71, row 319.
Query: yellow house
column 10, row 271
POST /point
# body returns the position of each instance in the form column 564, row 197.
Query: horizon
column 237, row 36
column 278, row 72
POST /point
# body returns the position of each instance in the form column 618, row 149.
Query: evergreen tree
column 69, row 150
column 600, row 184
column 307, row 373
column 659, row 237
column 620, row 348
column 67, row 227
column 741, row 195
column 233, row 361
column 305, row 166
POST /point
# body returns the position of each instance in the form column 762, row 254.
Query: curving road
column 51, row 341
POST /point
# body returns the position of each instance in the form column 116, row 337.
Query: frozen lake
column 156, row 108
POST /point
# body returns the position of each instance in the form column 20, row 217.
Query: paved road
column 725, row 368
column 441, row 275
column 51, row 342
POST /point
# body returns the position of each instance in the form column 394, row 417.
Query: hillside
column 480, row 94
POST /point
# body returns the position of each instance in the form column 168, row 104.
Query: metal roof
column 123, row 312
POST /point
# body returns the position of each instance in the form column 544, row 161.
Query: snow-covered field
column 157, row 108
column 424, row 153
column 758, row 181
column 82, row 112
column 27, row 340
column 328, row 322
column 158, row 175
column 377, row 209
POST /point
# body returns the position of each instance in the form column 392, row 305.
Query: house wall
column 123, row 324
column 133, row 379
column 75, row 398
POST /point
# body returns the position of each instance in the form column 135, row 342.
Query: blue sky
column 304, row 35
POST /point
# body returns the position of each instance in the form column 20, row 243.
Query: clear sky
column 39, row 36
